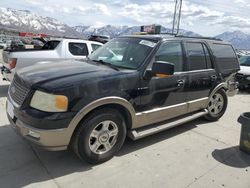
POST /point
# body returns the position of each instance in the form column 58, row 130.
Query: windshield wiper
column 107, row 64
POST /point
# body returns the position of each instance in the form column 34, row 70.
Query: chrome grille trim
column 18, row 91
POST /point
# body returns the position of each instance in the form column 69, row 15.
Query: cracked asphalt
column 196, row 154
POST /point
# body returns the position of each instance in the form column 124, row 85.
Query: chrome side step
column 136, row 134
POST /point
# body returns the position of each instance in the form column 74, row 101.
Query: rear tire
column 100, row 136
column 217, row 105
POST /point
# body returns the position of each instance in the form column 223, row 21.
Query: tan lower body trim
column 161, row 114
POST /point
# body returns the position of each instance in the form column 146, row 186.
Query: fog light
column 33, row 134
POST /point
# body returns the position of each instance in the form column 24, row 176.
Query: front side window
column 172, row 53
column 78, row 49
column 127, row 53
column 196, row 56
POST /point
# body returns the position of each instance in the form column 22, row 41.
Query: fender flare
column 217, row 88
column 98, row 103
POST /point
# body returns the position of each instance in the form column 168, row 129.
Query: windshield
column 245, row 60
column 127, row 53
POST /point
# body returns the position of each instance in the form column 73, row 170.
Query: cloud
column 48, row 9
column 150, row 13
column 96, row 8
column 234, row 21
column 35, row 2
column 98, row 24
column 192, row 14
column 206, row 16
column 162, row 13
column 240, row 1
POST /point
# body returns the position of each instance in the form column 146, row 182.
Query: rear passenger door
column 202, row 76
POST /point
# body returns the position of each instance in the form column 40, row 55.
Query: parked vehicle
column 15, row 59
column 37, row 44
column 3, row 44
column 99, row 38
column 132, row 85
column 243, row 76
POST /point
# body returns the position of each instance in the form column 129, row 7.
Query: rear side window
column 196, row 56
column 50, row 45
column 225, row 57
column 78, row 49
column 223, row 50
column 95, row 46
column 171, row 52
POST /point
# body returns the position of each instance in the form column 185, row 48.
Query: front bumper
column 53, row 140
column 232, row 88
column 7, row 74
column 244, row 80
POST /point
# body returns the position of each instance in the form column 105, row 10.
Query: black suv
column 133, row 85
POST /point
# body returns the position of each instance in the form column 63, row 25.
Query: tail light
column 12, row 63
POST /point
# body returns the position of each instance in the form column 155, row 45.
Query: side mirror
column 162, row 69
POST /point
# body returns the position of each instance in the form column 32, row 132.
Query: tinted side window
column 196, row 56
column 223, row 51
column 225, row 57
column 50, row 45
column 95, row 46
column 78, row 49
column 172, row 53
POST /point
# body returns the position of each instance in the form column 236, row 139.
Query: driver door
column 166, row 94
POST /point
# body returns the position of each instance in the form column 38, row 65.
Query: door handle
column 180, row 83
column 214, row 77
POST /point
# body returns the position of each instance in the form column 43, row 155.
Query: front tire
column 217, row 105
column 100, row 136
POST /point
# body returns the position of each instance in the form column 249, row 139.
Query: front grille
column 18, row 90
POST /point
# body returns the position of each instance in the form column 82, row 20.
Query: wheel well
column 121, row 109
column 217, row 89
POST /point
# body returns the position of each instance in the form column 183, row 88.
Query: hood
column 55, row 71
column 245, row 70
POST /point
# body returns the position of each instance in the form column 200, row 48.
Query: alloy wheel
column 216, row 104
column 103, row 137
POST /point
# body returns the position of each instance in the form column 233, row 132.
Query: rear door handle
column 214, row 77
column 180, row 83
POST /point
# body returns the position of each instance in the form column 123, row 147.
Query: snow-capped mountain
column 110, row 30
column 114, row 31
column 239, row 39
column 26, row 21
column 23, row 20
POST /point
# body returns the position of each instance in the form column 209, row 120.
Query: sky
column 208, row 18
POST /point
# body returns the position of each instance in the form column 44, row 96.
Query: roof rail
column 176, row 35
column 168, row 34
column 68, row 37
column 208, row 38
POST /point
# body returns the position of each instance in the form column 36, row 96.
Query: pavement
column 196, row 154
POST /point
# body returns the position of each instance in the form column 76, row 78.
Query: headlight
column 248, row 78
column 49, row 102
